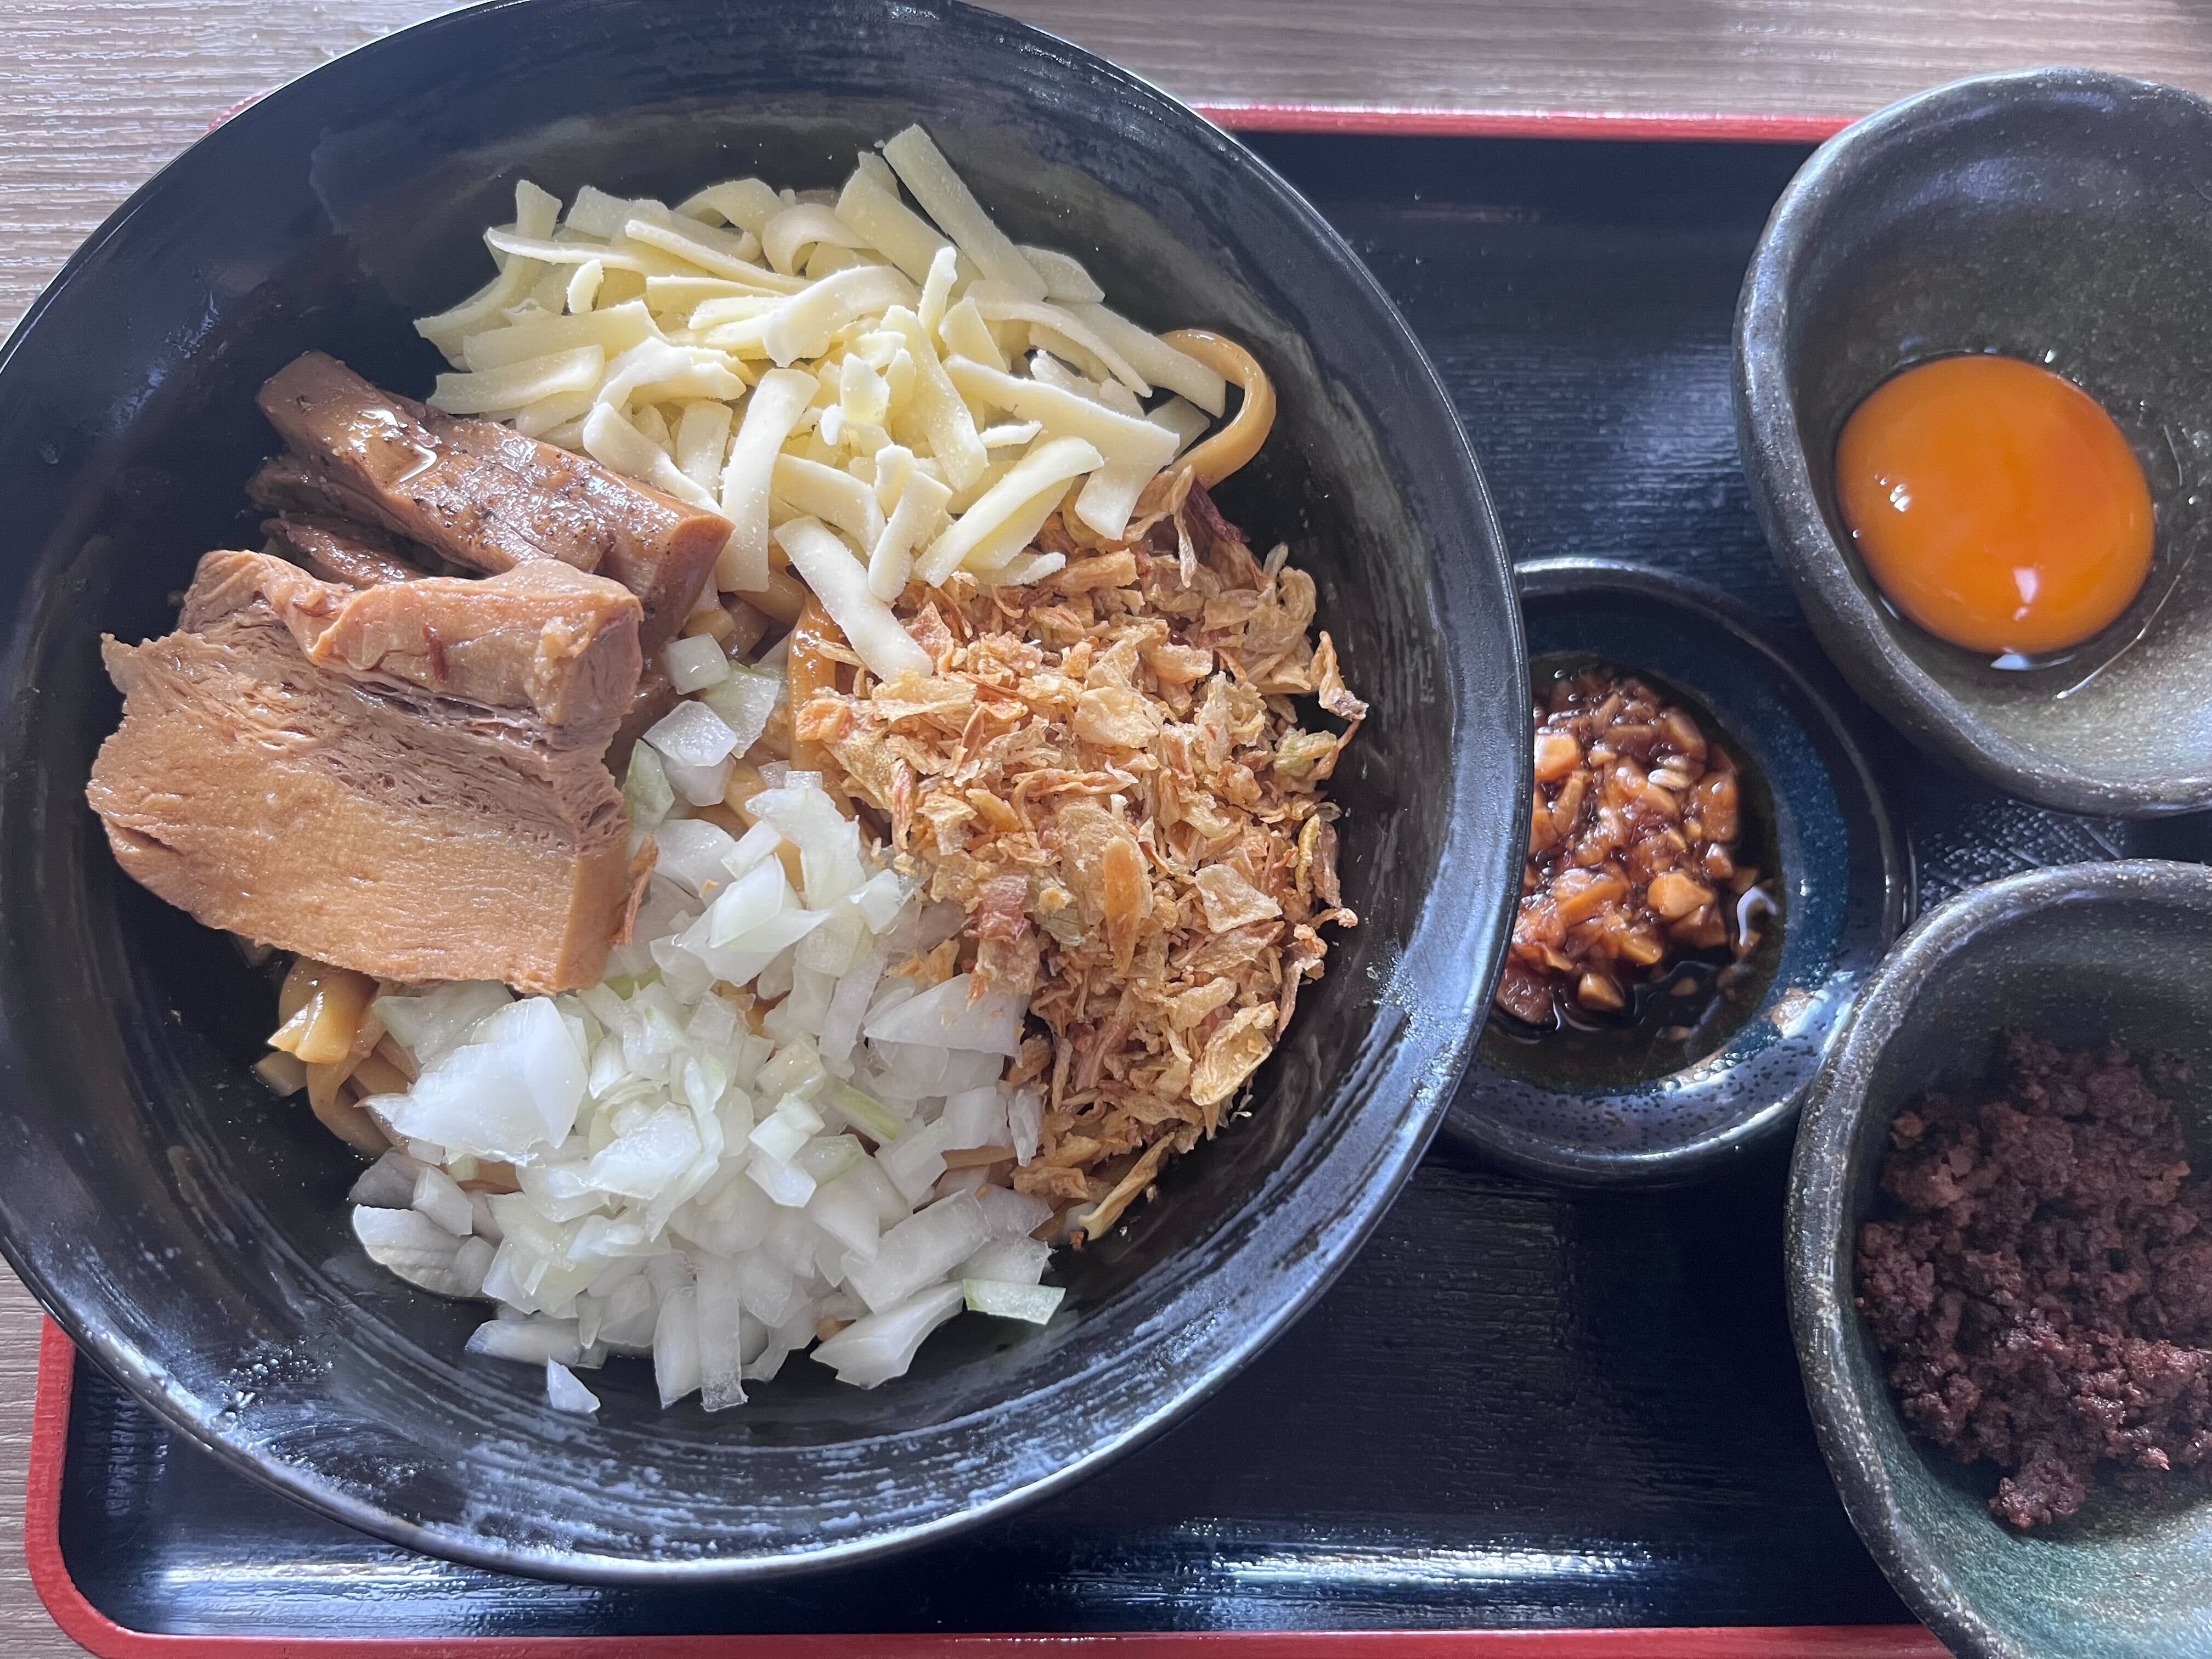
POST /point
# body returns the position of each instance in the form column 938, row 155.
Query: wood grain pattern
column 1840, row 58
column 95, row 95
column 26, row 1630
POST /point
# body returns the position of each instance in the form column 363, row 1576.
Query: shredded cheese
column 887, row 366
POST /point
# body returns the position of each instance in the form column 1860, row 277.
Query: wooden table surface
column 95, row 95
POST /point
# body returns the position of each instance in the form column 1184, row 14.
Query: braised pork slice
column 484, row 495
column 282, row 484
column 406, row 780
column 656, row 695
column 542, row 638
column 351, row 555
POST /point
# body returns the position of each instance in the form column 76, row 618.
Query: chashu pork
column 483, row 494
column 350, row 555
column 407, row 779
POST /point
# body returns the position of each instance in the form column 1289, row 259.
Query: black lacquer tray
column 1521, row 1407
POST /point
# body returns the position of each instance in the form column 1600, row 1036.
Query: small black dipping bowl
column 190, row 1231
column 2078, row 955
column 1614, row 1107
column 2063, row 216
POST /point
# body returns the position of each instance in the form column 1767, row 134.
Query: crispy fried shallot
column 1107, row 774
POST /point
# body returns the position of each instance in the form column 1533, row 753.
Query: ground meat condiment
column 2043, row 1292
column 1631, row 848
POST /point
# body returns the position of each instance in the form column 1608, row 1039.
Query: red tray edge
column 94, row 1630
column 1411, row 121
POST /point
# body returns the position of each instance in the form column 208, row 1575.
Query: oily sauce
column 1995, row 504
column 1645, row 930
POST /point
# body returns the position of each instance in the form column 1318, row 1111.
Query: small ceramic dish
column 1628, row 1107
column 2077, row 954
column 2057, row 215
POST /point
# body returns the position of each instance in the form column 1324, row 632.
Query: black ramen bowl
column 189, row 1229
column 2057, row 215
column 2077, row 955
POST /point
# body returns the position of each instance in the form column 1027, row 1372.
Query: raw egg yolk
column 1995, row 504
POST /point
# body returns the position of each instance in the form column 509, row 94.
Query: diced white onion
column 439, row 1197
column 513, row 1086
column 702, row 786
column 873, row 1350
column 693, row 853
column 413, row 1246
column 1025, row 1115
column 787, row 1185
column 848, row 1008
column 744, row 698
column 975, row 1117
column 693, row 734
column 915, row 1161
column 696, row 663
column 920, row 1071
column 647, row 796
column 675, row 1345
column 1034, row 1302
column 528, row 1341
column 565, row 1393
column 942, row 1017
column 388, row 1183
column 429, row 1023
column 720, row 1315
column 1009, row 1261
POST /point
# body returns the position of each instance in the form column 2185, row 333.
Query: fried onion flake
column 1107, row 773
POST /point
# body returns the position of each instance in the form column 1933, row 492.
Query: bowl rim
column 1773, row 452
column 1815, row 1242
column 1446, row 942
column 1715, row 1152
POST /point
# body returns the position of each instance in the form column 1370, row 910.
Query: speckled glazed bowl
column 2057, row 215
column 190, row 1231
column 2077, row 954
